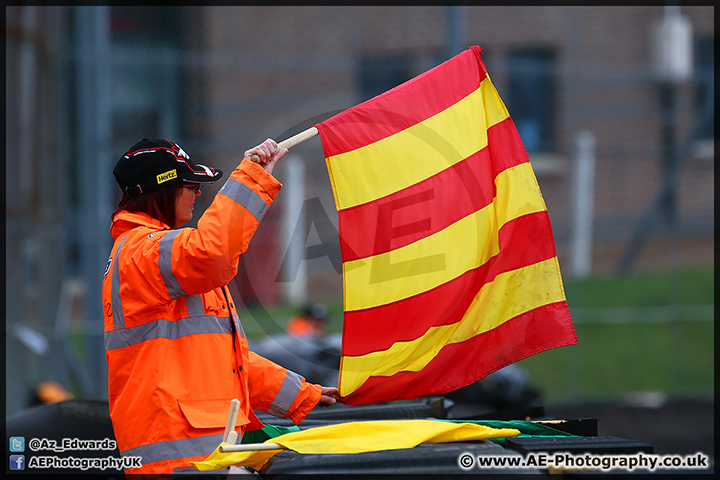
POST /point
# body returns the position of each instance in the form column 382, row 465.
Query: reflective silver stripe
column 165, row 264
column 172, row 449
column 238, row 325
column 194, row 305
column 117, row 310
column 246, row 197
column 166, row 329
column 285, row 397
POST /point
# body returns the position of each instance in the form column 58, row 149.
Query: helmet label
column 164, row 177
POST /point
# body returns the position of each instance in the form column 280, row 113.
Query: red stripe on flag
column 541, row 329
column 433, row 204
column 379, row 117
column 523, row 241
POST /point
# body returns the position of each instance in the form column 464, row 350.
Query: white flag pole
column 251, row 447
column 292, row 141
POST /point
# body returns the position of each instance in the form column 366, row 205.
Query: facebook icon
column 17, row 462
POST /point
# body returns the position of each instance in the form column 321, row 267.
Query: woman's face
column 185, row 203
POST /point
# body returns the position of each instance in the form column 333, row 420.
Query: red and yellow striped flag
column 449, row 263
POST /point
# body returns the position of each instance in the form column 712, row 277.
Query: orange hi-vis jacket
column 176, row 351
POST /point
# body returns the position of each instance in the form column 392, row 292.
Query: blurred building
column 84, row 83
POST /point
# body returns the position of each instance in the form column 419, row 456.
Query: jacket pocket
column 210, row 413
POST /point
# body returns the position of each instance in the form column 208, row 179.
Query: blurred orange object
column 311, row 322
column 51, row 392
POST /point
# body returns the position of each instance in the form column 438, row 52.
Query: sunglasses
column 192, row 186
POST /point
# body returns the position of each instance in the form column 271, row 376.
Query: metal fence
column 85, row 83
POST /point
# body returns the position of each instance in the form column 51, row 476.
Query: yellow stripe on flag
column 447, row 254
column 427, row 148
column 530, row 287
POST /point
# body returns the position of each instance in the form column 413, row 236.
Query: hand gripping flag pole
column 292, row 141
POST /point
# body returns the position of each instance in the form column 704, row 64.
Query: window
column 146, row 24
column 378, row 74
column 704, row 92
column 531, row 97
column 146, row 74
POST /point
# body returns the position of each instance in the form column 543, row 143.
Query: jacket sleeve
column 206, row 257
column 280, row 392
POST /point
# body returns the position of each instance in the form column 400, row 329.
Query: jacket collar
column 124, row 221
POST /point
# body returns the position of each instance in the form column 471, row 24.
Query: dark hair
column 159, row 204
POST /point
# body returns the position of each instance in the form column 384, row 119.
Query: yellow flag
column 358, row 437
